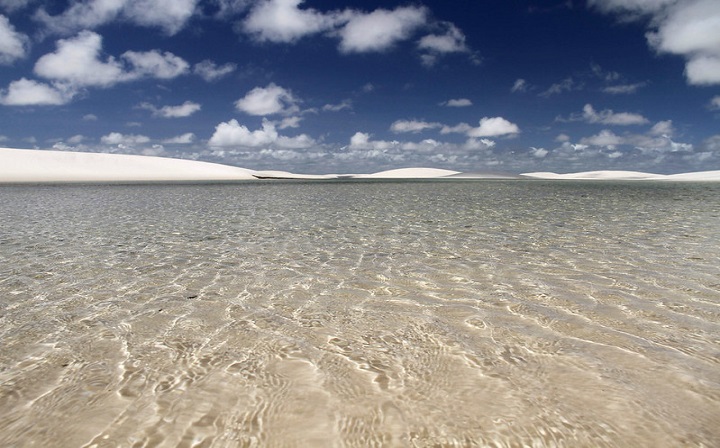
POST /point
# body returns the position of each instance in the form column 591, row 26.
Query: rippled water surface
column 478, row 313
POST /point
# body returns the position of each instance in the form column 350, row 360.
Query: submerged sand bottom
column 228, row 323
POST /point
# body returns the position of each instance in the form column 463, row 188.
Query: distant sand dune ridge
column 49, row 166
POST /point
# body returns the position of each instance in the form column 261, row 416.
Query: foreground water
column 360, row 314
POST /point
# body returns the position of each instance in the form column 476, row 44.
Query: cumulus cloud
column 290, row 122
column 183, row 110
column 460, row 102
column 284, row 21
column 381, row 29
column 233, row 134
column 154, row 64
column 606, row 138
column 269, row 100
column 612, row 118
column 169, row 15
column 362, row 140
column 13, row 45
column 184, row 139
column 412, row 126
column 538, row 152
column 26, row 92
column 662, row 128
column 210, row 71
column 703, row 70
column 116, row 138
column 656, row 141
column 489, row 127
column 493, row 127
column 77, row 61
column 687, row 28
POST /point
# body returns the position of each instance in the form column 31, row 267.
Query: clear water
column 480, row 313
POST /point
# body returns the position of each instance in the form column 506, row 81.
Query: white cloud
column 495, row 126
column 562, row 138
column 233, row 134
column 169, row 15
column 452, row 41
column 155, row 64
column 412, row 126
column 81, row 15
column 688, row 28
column 520, row 85
column 184, row 110
column 460, row 102
column 703, row 70
column 345, row 104
column 623, row 89
column 209, row 71
column 605, row 138
column 26, row 92
column 538, row 152
column 183, row 139
column 715, row 103
column 290, row 122
column 116, row 138
column 77, row 61
column 662, row 128
column 462, row 128
column 227, row 8
column 269, row 100
column 284, row 21
column 609, row 117
column 361, row 140
column 76, row 139
column 435, row 45
column 13, row 5
column 13, row 45
column 656, row 141
column 380, row 29
column 566, row 85
column 90, row 117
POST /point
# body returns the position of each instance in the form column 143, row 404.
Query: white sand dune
column 408, row 173
column 625, row 175
column 699, row 176
column 29, row 165
column 47, row 166
column 481, row 175
column 288, row 175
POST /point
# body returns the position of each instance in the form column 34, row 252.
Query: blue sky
column 363, row 86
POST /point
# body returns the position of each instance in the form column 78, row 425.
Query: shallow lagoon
column 363, row 313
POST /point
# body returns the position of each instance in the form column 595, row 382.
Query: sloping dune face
column 410, row 173
column 27, row 165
